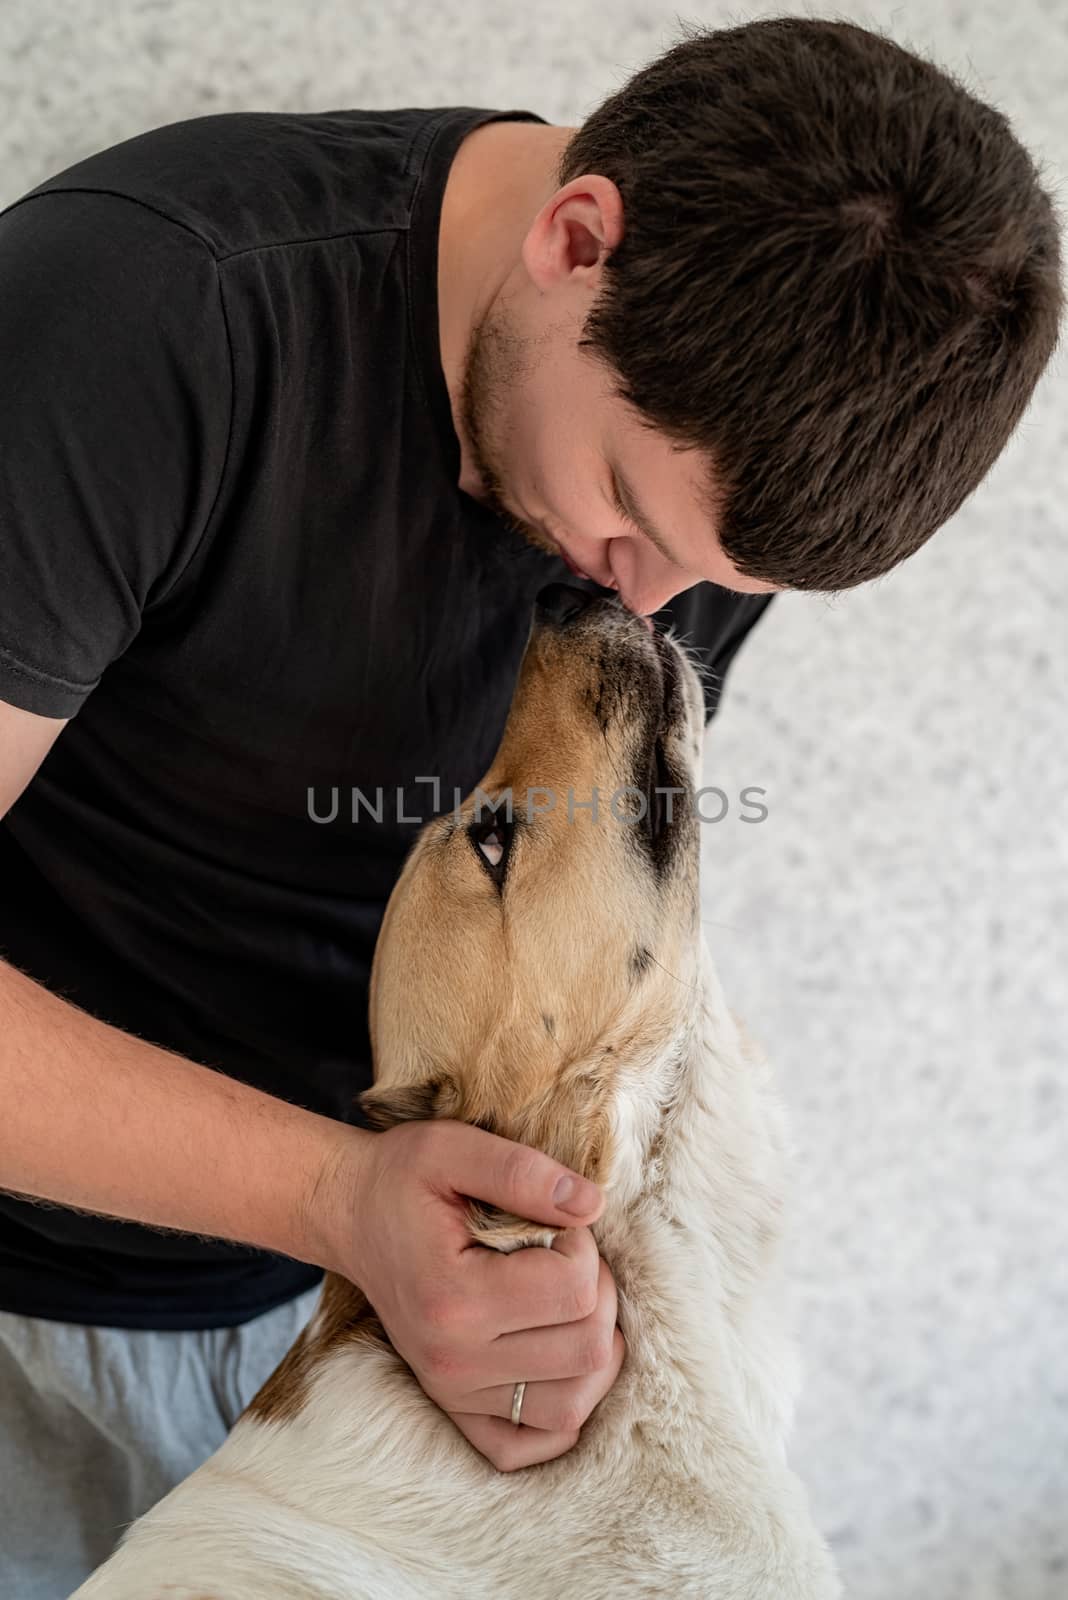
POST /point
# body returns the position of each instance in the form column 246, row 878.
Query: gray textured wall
column 894, row 932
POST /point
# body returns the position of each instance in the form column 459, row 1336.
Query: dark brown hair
column 839, row 281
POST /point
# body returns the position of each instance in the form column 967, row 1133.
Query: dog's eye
column 491, row 839
column 492, row 847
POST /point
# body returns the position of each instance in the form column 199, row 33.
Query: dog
column 595, row 1030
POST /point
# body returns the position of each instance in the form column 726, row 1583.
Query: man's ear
column 404, row 1102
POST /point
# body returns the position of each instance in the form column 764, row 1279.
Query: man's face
column 553, row 445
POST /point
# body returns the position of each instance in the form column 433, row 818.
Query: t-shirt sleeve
column 115, row 397
column 713, row 623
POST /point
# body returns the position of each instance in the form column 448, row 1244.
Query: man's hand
column 469, row 1321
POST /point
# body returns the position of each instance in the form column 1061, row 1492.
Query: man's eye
column 633, row 526
column 492, row 838
column 621, row 508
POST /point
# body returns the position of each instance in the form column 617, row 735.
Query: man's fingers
column 515, row 1177
column 511, row 1448
column 571, row 1350
column 560, row 1406
column 552, row 1417
column 537, row 1288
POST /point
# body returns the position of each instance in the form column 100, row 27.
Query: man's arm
column 25, row 740
column 98, row 1119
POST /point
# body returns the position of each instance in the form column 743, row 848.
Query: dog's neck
column 692, row 1165
column 691, row 1228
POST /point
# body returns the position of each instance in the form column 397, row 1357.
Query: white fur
column 678, row 1486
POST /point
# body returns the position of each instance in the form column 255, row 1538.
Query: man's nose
column 655, row 591
column 648, row 584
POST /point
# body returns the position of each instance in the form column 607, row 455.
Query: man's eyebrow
column 628, row 502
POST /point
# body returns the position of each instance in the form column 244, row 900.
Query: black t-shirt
column 233, row 550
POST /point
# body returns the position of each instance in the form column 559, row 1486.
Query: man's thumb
column 517, row 1178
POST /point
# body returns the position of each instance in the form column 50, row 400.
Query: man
column 297, row 419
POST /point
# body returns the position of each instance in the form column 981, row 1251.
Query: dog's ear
column 403, row 1102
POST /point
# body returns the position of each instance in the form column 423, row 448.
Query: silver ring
column 517, row 1402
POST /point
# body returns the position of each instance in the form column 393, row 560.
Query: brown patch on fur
column 343, row 1314
column 409, row 1102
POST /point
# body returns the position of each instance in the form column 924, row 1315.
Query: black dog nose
column 563, row 602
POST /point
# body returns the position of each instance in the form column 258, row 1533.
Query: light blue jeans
column 97, row 1424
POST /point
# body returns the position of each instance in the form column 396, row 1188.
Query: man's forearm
column 96, row 1118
